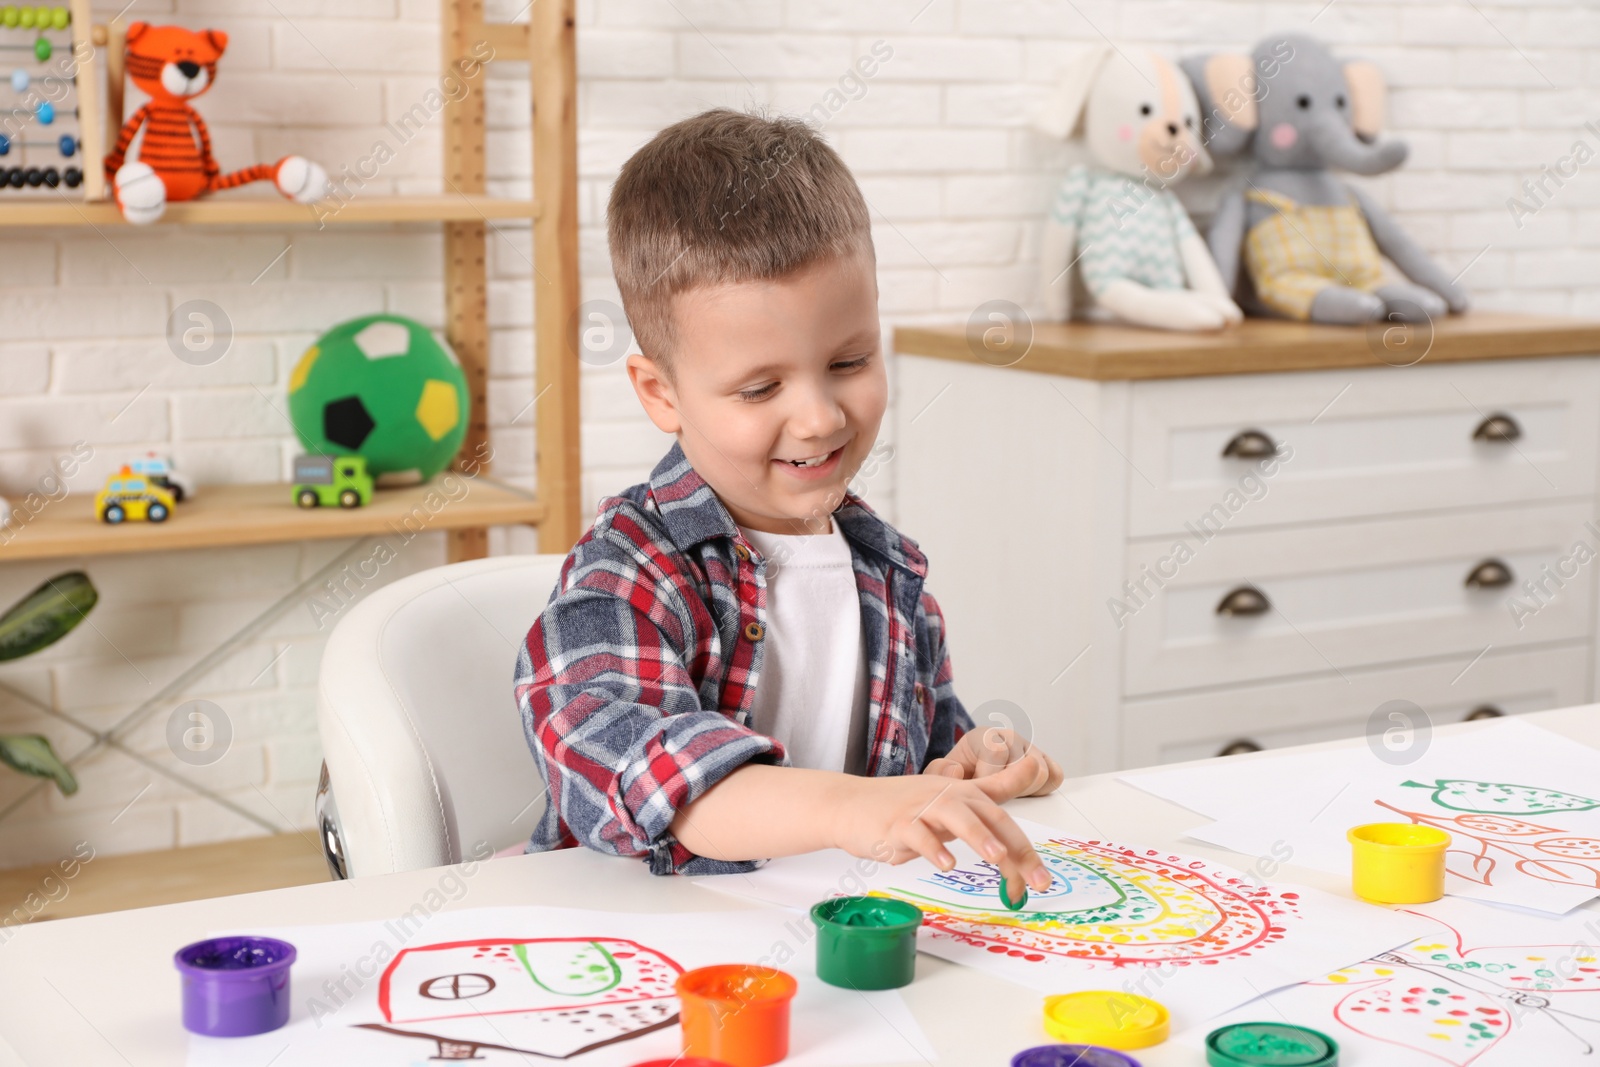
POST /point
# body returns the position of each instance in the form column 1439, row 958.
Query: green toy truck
column 323, row 481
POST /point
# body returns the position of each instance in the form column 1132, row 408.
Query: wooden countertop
column 1111, row 353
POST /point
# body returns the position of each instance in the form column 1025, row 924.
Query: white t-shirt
column 812, row 693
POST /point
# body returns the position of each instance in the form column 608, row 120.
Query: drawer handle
column 1245, row 600
column 1483, row 711
column 1250, row 444
column 1490, row 574
column 1239, row 747
column 1498, row 429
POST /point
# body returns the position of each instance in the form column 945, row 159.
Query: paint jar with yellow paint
column 1397, row 863
column 1106, row 1018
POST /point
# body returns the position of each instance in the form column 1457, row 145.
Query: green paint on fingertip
column 1005, row 896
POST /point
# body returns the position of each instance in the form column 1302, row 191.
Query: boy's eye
column 761, row 392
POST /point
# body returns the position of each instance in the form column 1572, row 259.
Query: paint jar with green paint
column 866, row 942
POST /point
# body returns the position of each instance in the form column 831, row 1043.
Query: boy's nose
column 818, row 417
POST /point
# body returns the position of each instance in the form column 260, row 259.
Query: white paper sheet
column 1197, row 937
column 1487, row 987
column 1521, row 804
column 548, row 981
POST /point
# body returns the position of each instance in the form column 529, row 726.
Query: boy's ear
column 655, row 392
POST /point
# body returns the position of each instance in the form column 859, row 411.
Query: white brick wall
column 939, row 142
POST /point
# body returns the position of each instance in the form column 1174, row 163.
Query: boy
column 739, row 661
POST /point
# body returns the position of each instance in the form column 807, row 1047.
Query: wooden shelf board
column 257, row 210
column 224, row 515
column 168, row 876
column 1111, row 353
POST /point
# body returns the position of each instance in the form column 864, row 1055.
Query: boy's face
column 767, row 373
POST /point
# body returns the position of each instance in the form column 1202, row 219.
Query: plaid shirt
column 636, row 681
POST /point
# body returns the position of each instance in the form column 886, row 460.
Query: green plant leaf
column 32, row 754
column 46, row 615
column 1503, row 798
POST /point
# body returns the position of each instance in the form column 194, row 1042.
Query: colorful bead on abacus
column 66, row 144
column 17, row 177
column 44, row 111
column 27, row 18
column 42, row 49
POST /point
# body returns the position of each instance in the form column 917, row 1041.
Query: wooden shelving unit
column 250, row 209
column 264, row 514
column 172, row 875
column 260, row 514
column 462, row 506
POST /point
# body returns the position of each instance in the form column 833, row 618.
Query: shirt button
column 742, row 552
column 918, row 690
column 754, row 631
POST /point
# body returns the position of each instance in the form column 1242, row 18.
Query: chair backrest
column 420, row 727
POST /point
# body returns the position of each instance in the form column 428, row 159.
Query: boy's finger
column 1032, row 779
column 945, row 767
column 1012, row 781
column 996, row 748
column 1041, row 775
column 919, row 837
column 1021, row 862
column 1041, row 781
column 1055, row 778
column 955, row 814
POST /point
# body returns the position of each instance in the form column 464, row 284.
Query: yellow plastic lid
column 1108, row 1018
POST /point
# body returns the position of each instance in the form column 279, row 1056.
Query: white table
column 102, row 989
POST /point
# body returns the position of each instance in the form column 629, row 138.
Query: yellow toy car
column 130, row 496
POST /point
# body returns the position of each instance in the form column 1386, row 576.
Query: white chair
column 424, row 755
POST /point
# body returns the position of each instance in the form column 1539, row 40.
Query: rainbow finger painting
column 1194, row 935
column 1108, row 905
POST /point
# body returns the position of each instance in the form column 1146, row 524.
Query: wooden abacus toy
column 64, row 49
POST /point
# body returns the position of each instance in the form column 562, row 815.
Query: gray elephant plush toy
column 1312, row 245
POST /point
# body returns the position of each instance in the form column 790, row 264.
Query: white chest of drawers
column 1157, row 546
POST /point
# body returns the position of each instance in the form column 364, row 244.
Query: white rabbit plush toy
column 1116, row 225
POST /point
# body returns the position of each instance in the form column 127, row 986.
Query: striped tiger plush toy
column 173, row 65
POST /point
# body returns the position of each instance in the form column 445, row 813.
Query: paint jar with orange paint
column 737, row 1013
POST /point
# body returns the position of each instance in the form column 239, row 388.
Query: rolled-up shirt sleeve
column 950, row 720
column 612, row 711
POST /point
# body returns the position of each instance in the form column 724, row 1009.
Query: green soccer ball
column 385, row 388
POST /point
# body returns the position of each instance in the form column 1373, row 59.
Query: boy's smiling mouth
column 813, row 466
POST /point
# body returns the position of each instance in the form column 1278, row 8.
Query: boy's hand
column 987, row 751
column 916, row 814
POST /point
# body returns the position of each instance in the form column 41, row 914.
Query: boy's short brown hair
column 726, row 197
